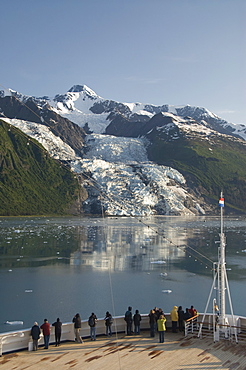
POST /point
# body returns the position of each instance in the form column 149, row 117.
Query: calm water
column 56, row 267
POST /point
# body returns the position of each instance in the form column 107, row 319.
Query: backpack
column 91, row 321
column 128, row 316
column 108, row 320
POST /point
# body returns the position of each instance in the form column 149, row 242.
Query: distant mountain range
column 132, row 158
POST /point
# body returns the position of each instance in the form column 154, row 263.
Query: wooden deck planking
column 134, row 352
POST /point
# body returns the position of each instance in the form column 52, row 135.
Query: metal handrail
column 225, row 331
column 191, row 325
column 192, row 318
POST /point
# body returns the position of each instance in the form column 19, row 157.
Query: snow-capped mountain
column 84, row 107
column 131, row 158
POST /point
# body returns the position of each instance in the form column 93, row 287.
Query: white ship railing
column 235, row 330
column 21, row 340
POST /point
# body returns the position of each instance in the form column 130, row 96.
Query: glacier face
column 126, row 183
column 117, row 174
column 137, row 190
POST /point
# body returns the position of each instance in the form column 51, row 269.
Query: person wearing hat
column 174, row 317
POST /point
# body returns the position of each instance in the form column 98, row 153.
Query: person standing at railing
column 152, row 322
column 187, row 314
column 92, row 321
column 174, row 318
column 35, row 333
column 136, row 319
column 58, row 329
column 157, row 315
column 108, row 323
column 46, row 332
column 192, row 311
column 161, row 327
column 181, row 318
column 77, row 327
column 128, row 320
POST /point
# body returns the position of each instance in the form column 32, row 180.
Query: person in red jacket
column 192, row 311
column 46, row 332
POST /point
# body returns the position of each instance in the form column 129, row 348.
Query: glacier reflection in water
column 55, row 267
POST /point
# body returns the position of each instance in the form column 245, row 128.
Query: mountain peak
column 77, row 88
column 7, row 92
column 83, row 89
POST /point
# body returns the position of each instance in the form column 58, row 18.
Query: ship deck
column 133, row 352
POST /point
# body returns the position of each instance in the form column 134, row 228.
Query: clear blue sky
column 152, row 51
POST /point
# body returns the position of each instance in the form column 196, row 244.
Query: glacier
column 117, row 174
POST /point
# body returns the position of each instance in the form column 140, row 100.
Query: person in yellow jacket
column 174, row 317
column 161, row 327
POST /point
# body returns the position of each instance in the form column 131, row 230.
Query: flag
column 221, row 202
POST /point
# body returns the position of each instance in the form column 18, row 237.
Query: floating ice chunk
column 14, row 322
column 167, row 291
column 158, row 262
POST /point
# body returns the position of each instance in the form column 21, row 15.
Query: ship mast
column 222, row 265
column 221, row 324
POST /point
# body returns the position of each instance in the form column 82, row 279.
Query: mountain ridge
column 80, row 101
column 188, row 143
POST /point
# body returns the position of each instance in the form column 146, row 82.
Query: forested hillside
column 30, row 181
column 209, row 166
